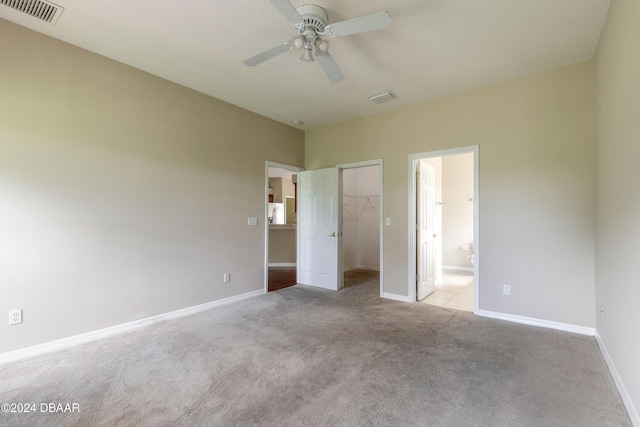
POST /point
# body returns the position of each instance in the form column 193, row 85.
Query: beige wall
column 537, row 178
column 618, row 194
column 282, row 245
column 123, row 195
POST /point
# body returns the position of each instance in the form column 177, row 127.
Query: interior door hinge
column 417, row 277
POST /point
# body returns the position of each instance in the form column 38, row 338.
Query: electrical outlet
column 226, row 277
column 506, row 289
column 15, row 317
column 602, row 311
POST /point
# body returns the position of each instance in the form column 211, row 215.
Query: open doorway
column 444, row 210
column 361, row 224
column 320, row 224
column 280, row 226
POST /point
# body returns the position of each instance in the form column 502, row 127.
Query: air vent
column 381, row 97
column 43, row 10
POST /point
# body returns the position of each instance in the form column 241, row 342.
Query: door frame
column 475, row 150
column 265, row 218
column 366, row 163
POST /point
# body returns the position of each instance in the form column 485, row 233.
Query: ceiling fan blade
column 267, row 54
column 330, row 67
column 288, row 11
column 373, row 22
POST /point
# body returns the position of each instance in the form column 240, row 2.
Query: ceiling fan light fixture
column 298, row 42
column 322, row 46
column 382, row 97
column 310, row 25
column 306, row 55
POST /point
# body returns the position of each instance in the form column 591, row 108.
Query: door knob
column 332, row 234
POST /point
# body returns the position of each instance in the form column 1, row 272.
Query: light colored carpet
column 309, row 357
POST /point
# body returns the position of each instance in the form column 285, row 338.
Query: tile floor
column 456, row 291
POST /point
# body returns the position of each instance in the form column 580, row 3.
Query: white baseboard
column 360, row 267
column 628, row 403
column 75, row 340
column 395, row 297
column 582, row 330
column 282, row 264
column 456, row 268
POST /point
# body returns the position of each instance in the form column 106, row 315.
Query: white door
column 319, row 230
column 425, row 229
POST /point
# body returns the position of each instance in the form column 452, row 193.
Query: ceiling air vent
column 381, row 97
column 43, row 10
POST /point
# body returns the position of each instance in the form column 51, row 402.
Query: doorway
column 362, row 223
column 321, row 227
column 280, row 226
column 361, row 219
column 444, row 228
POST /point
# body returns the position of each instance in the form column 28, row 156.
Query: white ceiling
column 432, row 49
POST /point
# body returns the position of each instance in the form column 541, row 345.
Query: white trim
column 628, row 403
column 456, row 268
column 567, row 327
column 265, row 220
column 475, row 150
column 283, row 166
column 380, row 164
column 362, row 164
column 395, row 297
column 75, row 340
column 282, row 264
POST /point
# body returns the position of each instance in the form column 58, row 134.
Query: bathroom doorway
column 444, row 209
column 280, row 226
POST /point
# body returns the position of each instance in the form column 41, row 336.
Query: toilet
column 469, row 247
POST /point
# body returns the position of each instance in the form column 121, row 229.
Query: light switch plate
column 252, row 221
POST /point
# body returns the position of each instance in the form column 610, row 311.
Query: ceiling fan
column 310, row 25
